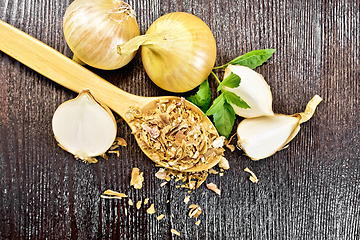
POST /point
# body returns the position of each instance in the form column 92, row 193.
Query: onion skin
column 93, row 29
column 186, row 58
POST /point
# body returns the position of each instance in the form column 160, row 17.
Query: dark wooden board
column 310, row 190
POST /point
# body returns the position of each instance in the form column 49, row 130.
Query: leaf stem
column 217, row 79
column 223, row 66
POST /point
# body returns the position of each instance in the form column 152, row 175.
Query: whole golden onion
column 93, row 29
column 178, row 51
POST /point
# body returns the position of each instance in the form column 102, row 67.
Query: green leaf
column 202, row 98
column 232, row 81
column 231, row 97
column 254, row 58
column 217, row 104
column 224, row 119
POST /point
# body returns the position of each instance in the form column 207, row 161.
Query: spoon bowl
column 62, row 70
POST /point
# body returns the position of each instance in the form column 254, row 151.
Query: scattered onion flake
column 197, row 223
column 161, row 216
column 151, row 209
column 146, row 201
column 175, row 232
column 213, row 187
column 195, row 211
column 162, row 174
column 138, row 204
column 119, row 142
column 115, row 152
column 213, row 171
column 163, row 184
column 228, row 145
column 136, row 178
column 190, row 180
column 253, row 177
column 113, row 195
column 186, row 199
column 224, row 163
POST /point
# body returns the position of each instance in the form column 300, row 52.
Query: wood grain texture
column 309, row 191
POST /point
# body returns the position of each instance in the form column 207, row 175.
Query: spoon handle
column 62, row 70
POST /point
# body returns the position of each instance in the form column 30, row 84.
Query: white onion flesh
column 263, row 136
column 253, row 89
column 84, row 127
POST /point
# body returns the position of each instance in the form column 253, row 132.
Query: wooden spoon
column 57, row 67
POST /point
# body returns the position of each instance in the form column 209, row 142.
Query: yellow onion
column 93, row 29
column 178, row 51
